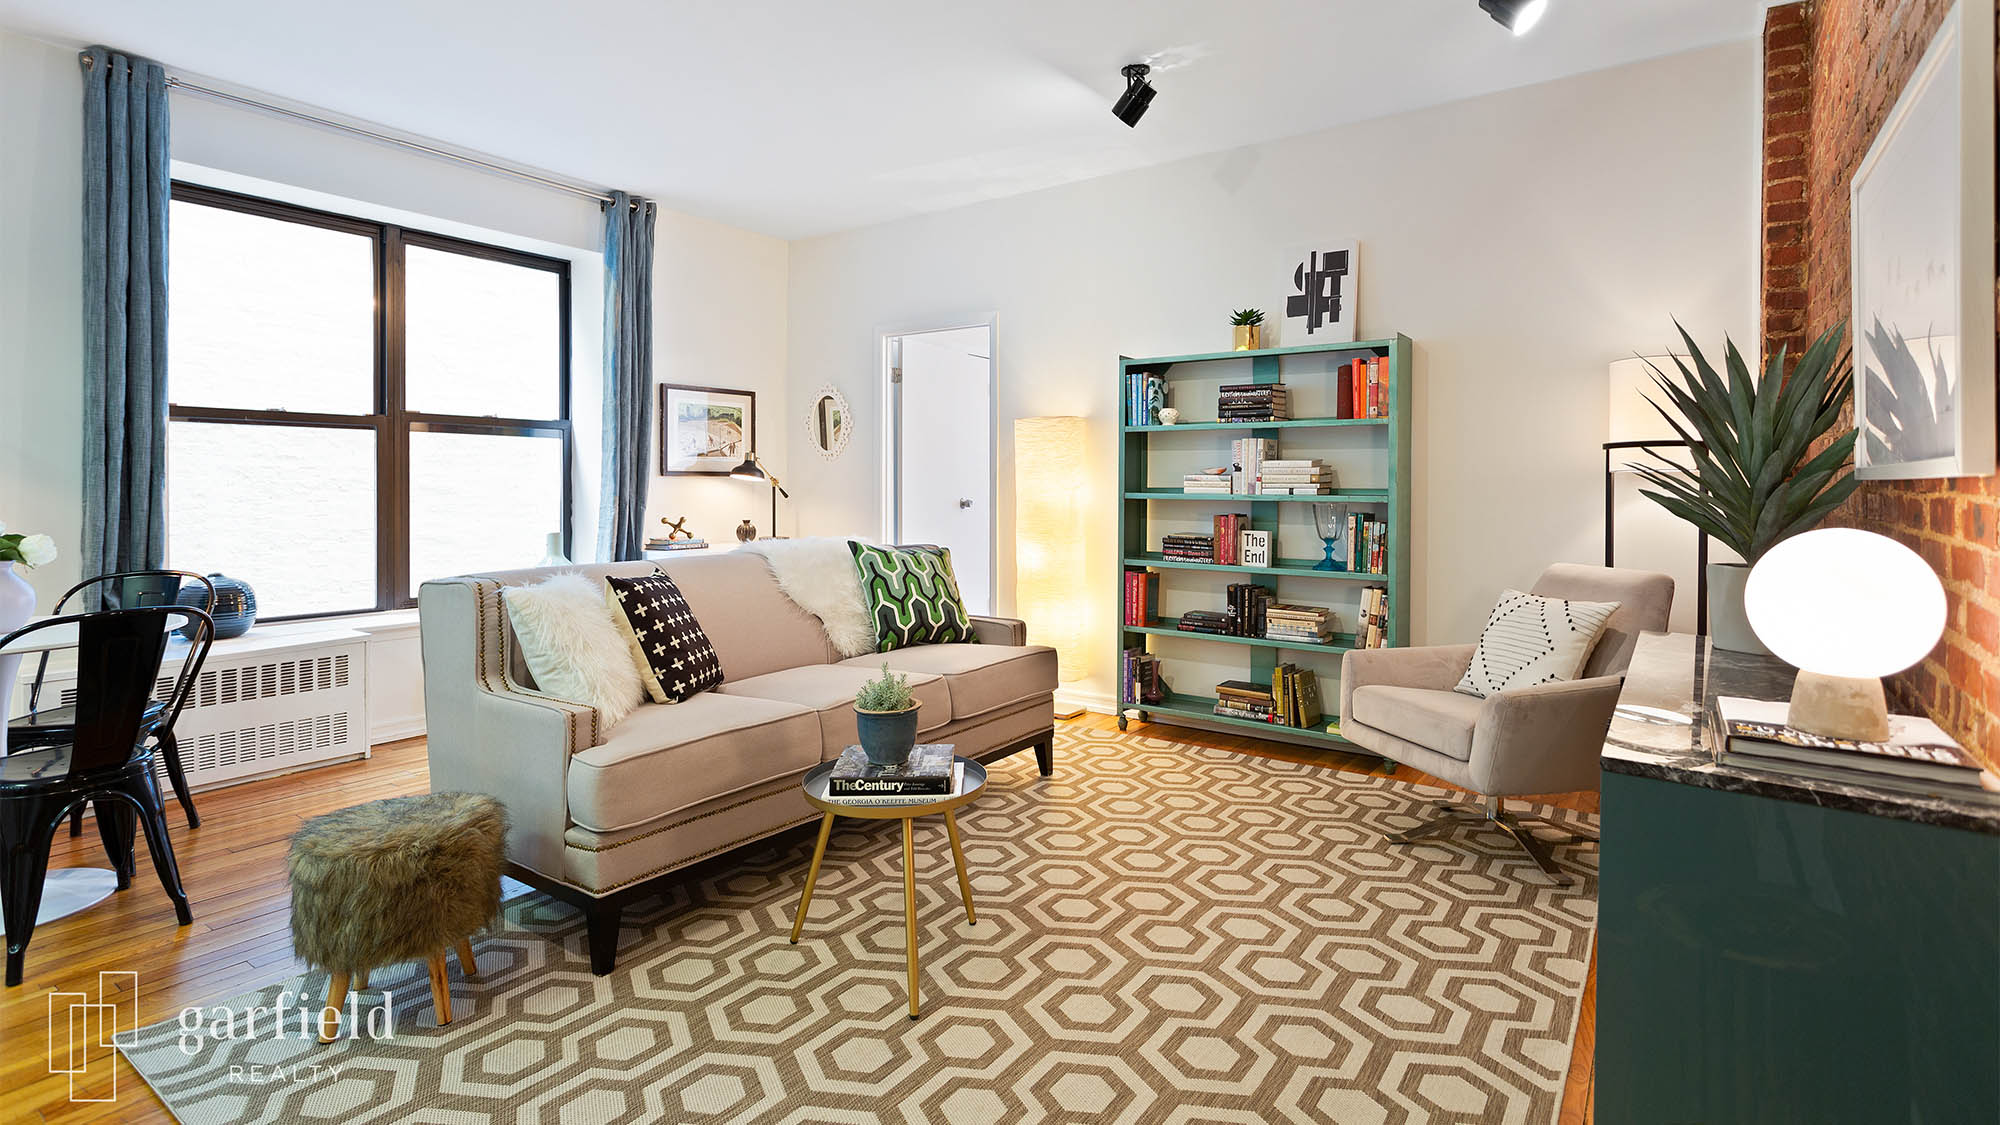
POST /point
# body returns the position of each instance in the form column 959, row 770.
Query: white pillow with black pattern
column 1531, row 640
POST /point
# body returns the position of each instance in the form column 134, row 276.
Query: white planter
column 17, row 599
column 1728, row 627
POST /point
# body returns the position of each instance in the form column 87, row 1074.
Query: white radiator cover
column 264, row 704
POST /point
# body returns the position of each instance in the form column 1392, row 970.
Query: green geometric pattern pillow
column 912, row 596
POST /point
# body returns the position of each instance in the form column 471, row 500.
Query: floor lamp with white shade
column 1049, row 519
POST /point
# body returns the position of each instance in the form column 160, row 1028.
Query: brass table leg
column 958, row 861
column 812, row 873
column 910, row 908
column 329, row 1016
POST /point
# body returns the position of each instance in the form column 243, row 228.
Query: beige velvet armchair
column 1400, row 703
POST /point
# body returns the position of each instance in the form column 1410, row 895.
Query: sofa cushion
column 570, row 641
column 912, row 596
column 669, row 648
column 828, row 689
column 979, row 678
column 665, row 758
column 1441, row 720
column 754, row 627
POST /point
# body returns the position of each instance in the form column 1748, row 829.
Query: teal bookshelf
column 1143, row 503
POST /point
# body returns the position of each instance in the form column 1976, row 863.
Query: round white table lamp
column 1845, row 608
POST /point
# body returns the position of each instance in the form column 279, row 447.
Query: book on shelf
column 1755, row 732
column 1142, row 597
column 1139, row 678
column 1246, row 456
column 1367, row 544
column 1254, row 548
column 1371, row 626
column 956, row 787
column 1145, row 396
column 1242, row 699
column 1294, row 490
column 1246, row 608
column 1343, row 392
column 926, row 772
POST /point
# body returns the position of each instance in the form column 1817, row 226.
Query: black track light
column 1131, row 105
column 1517, row 16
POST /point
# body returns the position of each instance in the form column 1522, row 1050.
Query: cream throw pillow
column 1532, row 640
column 572, row 645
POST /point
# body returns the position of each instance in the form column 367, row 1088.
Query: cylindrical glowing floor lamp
column 1049, row 577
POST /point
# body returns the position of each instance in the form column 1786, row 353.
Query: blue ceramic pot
column 887, row 737
column 234, row 611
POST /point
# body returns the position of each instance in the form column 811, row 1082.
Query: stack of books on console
column 1310, row 624
column 1188, row 547
column 676, row 544
column 931, row 773
column 1296, row 478
column 1241, row 699
column 1252, row 402
column 1919, row 757
column 1214, row 482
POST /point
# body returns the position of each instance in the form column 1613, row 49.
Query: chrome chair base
column 1493, row 814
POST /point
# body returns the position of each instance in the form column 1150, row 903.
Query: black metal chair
column 106, row 759
column 44, row 726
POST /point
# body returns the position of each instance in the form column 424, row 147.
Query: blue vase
column 887, row 737
column 234, row 611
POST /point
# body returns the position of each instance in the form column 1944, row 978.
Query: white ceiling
column 800, row 117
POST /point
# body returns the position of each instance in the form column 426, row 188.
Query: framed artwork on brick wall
column 1922, row 210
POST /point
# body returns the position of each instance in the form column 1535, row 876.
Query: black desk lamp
column 753, row 470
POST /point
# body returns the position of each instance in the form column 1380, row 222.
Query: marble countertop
column 1661, row 731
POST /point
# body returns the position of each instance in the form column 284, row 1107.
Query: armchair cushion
column 1441, row 720
column 1530, row 639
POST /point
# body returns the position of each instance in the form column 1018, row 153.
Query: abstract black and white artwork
column 1923, row 266
column 1321, row 305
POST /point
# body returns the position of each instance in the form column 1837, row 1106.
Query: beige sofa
column 600, row 817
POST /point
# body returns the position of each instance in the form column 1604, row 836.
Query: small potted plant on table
column 885, row 714
column 1246, row 322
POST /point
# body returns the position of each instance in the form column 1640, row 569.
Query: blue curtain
column 628, row 376
column 125, row 188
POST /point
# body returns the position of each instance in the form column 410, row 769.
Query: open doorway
column 939, row 475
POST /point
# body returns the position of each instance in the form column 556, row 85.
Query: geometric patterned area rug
column 1167, row 933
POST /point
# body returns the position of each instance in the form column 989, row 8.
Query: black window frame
column 392, row 421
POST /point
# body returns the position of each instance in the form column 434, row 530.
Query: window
column 357, row 407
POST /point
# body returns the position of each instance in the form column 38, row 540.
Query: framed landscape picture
column 1922, row 244
column 705, row 429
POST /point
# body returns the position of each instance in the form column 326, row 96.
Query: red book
column 1360, row 407
column 1343, row 395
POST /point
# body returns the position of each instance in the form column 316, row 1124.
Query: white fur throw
column 572, row 646
column 819, row 574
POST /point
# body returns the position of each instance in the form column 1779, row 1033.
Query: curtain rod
column 210, row 92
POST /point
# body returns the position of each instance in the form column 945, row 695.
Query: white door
column 941, row 391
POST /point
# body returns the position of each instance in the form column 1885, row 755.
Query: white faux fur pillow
column 572, row 646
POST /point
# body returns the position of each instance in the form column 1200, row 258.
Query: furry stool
column 404, row 879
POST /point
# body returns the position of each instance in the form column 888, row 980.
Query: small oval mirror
column 829, row 422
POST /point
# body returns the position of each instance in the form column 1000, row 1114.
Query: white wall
column 1523, row 240
column 41, row 301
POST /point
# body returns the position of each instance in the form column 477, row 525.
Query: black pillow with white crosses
column 674, row 656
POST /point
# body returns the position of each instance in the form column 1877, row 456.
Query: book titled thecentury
column 927, row 772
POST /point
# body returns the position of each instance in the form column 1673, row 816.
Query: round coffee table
column 815, row 789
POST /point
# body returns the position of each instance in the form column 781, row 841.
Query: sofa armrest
column 1000, row 630
column 488, row 734
column 1437, row 667
column 1544, row 739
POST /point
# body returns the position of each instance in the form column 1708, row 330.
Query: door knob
column 965, row 503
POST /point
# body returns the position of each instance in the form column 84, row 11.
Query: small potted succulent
column 886, row 714
column 1246, row 322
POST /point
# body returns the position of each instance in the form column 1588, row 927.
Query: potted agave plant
column 886, row 714
column 1246, row 322
column 1757, row 478
column 17, row 598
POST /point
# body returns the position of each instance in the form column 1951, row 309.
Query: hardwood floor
column 234, row 869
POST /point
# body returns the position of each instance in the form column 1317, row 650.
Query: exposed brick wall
column 1858, row 56
column 1787, row 129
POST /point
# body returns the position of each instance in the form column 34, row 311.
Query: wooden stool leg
column 361, row 982
column 440, row 988
column 958, row 861
column 329, row 1016
column 910, row 909
column 465, row 959
column 812, row 874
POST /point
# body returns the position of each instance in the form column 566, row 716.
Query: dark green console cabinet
column 1772, row 952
